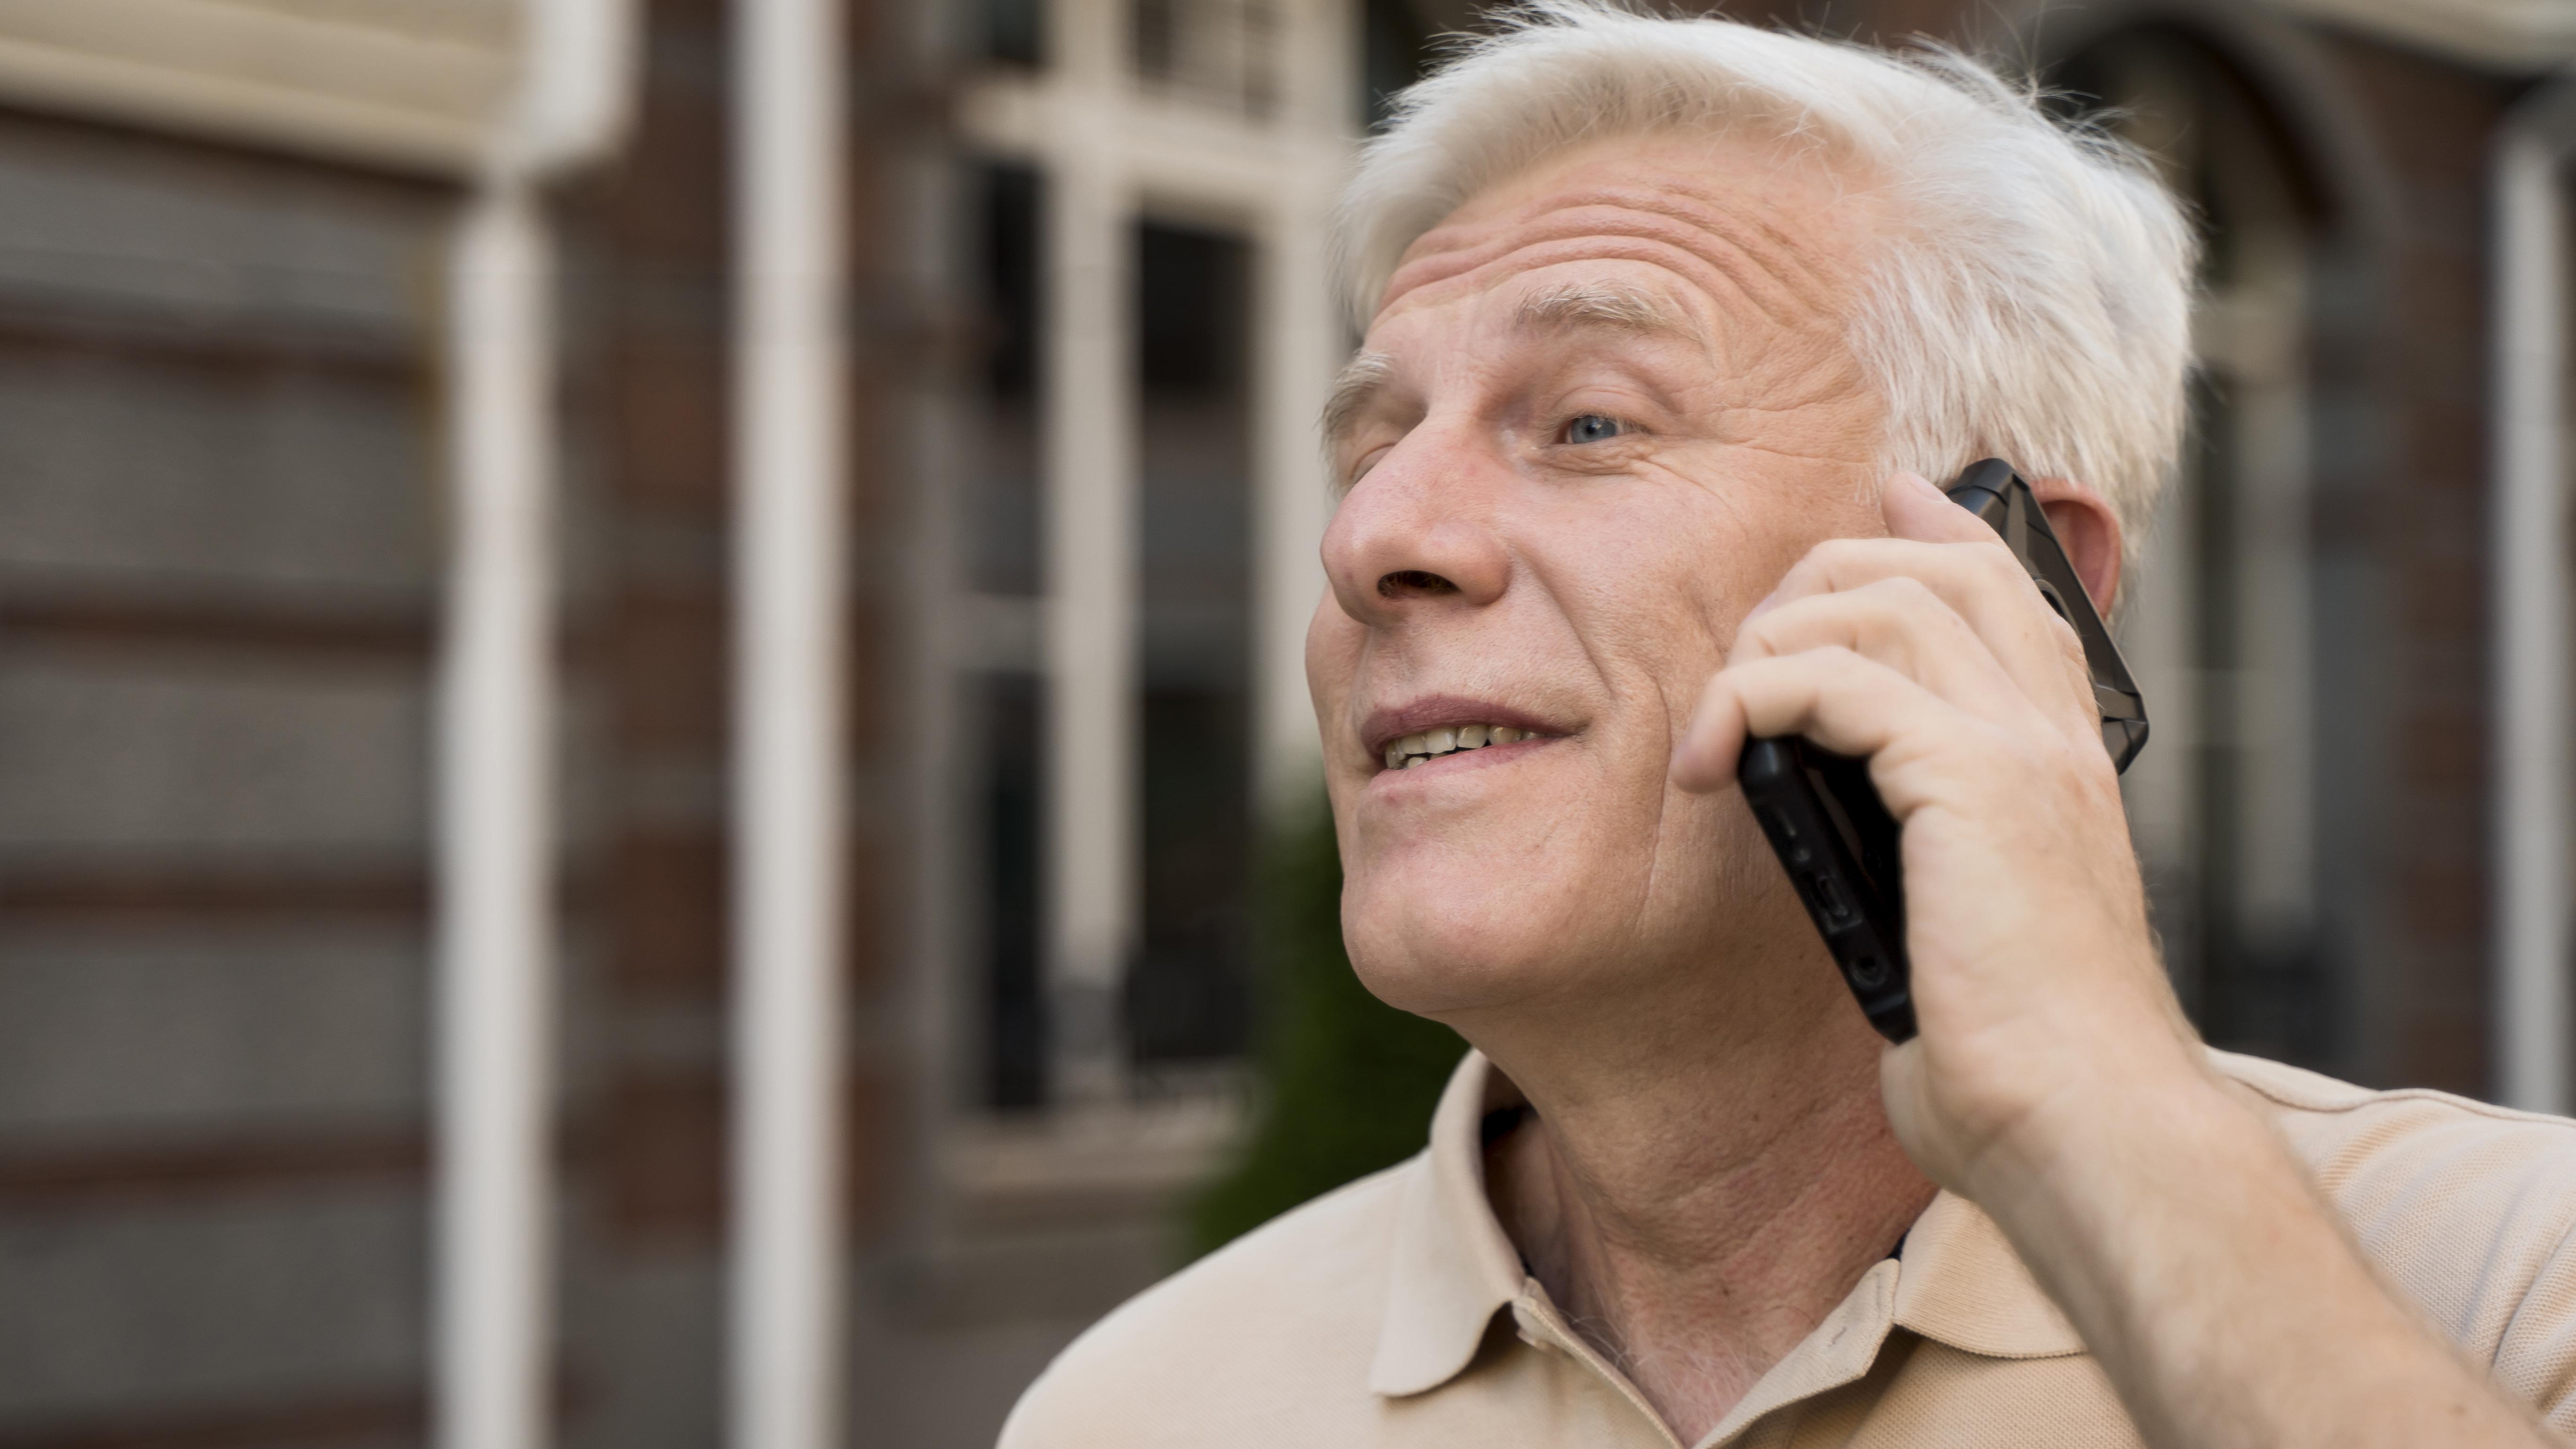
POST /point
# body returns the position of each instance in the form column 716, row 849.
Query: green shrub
column 1345, row 1083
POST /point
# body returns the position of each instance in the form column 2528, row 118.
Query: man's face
column 1601, row 410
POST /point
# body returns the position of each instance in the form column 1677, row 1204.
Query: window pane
column 1005, row 723
column 1395, row 50
column 1221, row 53
column 1013, row 31
column 1188, row 995
column 1003, row 526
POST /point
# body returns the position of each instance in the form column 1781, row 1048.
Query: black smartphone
column 1824, row 819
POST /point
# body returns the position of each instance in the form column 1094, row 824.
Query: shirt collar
column 1962, row 1284
column 1959, row 1283
column 1454, row 1268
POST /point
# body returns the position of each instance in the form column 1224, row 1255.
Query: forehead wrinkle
column 1784, row 280
column 1777, row 297
column 1717, row 275
column 1718, row 212
column 1818, row 267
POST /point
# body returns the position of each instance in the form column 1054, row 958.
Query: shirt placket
column 1850, row 1339
column 1540, row 1326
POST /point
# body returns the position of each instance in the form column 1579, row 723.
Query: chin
column 1458, row 923
column 1439, row 937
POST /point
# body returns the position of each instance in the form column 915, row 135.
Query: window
column 1218, row 53
column 1134, row 506
column 1002, row 703
column 2219, row 623
column 1188, row 991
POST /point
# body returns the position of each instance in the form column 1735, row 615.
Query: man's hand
column 2036, row 985
column 2054, row 1081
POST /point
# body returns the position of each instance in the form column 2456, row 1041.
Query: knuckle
column 1993, row 553
column 1911, row 603
column 1997, row 562
column 1834, row 552
column 1834, row 661
column 1919, row 600
column 2070, row 645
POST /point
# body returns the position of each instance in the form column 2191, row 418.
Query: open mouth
column 1432, row 744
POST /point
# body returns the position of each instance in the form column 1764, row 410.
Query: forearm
column 2218, row 1292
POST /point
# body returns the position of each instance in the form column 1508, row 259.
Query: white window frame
column 1112, row 152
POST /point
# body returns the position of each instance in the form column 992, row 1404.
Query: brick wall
column 218, row 541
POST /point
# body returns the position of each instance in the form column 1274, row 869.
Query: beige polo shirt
column 1395, row 1312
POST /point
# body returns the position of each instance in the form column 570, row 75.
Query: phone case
column 1824, row 819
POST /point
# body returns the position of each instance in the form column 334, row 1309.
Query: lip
column 1384, row 727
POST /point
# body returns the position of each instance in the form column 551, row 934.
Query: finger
column 1980, row 581
column 1899, row 621
column 1833, row 696
column 1916, row 509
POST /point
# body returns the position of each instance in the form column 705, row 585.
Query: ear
column 2089, row 532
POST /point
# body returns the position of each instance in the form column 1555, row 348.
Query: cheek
column 1654, row 607
column 1333, row 643
column 1441, row 915
column 1772, row 517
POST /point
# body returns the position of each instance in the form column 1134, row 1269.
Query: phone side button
column 1784, row 835
column 1829, row 901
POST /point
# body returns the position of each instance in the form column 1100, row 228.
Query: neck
column 1697, row 1188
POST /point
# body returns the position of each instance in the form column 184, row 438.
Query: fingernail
column 1683, row 773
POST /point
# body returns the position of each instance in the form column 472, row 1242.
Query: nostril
column 1413, row 581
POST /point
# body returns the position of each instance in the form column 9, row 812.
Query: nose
column 1419, row 530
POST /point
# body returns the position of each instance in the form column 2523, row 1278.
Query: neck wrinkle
column 1695, row 1198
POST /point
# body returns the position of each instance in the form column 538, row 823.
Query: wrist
column 2115, row 1126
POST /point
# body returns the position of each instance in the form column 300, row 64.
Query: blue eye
column 1592, row 428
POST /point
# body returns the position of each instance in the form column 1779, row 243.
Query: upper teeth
column 1412, row 750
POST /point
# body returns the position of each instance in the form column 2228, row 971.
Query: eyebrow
column 1576, row 305
column 1572, row 306
column 1353, row 390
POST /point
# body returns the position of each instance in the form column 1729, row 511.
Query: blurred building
column 1088, row 329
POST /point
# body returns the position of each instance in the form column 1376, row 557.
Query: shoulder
column 1288, row 1313
column 2379, row 1153
column 2469, row 1208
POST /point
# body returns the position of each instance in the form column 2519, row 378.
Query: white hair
column 2034, row 303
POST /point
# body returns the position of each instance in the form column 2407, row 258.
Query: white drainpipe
column 789, row 595
column 493, row 925
column 2529, row 597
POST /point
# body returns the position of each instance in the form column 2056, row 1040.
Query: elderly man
column 1668, row 324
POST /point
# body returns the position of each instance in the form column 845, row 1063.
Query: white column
column 2529, row 601
column 1304, row 340
column 1091, row 567
column 788, row 461
column 494, row 925
column 1302, row 343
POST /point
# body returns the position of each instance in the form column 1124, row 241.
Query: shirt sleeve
column 2468, row 1211
column 2472, row 1216
column 2535, row 1359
